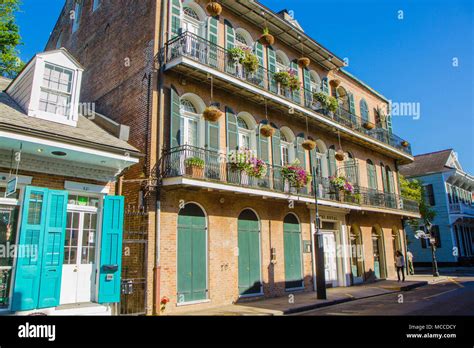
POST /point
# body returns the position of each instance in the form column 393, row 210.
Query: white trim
column 281, row 100
column 22, row 179
column 89, row 188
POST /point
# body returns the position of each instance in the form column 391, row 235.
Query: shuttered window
column 429, row 194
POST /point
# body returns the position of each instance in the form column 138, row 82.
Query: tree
column 413, row 189
column 10, row 63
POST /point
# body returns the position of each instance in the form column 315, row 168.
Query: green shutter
column 262, row 146
column 299, row 151
column 364, row 110
column 232, row 130
column 212, row 136
column 260, row 73
column 213, row 38
column 271, row 57
column 389, row 123
column 391, row 181
column 175, row 121
column 175, row 9
column 276, row 148
column 384, row 178
column 332, row 162
column 249, row 254
column 229, row 43
column 110, row 268
column 296, row 93
column 372, row 176
column 307, row 87
column 325, row 85
column 292, row 245
column 351, row 104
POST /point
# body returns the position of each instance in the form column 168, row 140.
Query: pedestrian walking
column 411, row 270
column 400, row 263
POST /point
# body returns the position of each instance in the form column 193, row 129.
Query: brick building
column 217, row 233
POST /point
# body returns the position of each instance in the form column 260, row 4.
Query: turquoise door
column 375, row 243
column 292, row 245
column 41, row 242
column 192, row 254
column 249, row 253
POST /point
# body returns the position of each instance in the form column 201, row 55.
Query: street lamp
column 319, row 246
column 429, row 226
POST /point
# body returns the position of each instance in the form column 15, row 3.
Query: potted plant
column 247, row 164
column 327, row 102
column 405, row 143
column 339, row 155
column 267, row 131
column 266, row 39
column 163, row 302
column 296, row 176
column 212, row 113
column 236, row 54
column 303, row 62
column 214, row 8
column 250, row 61
column 287, row 79
column 308, row 145
column 194, row 167
column 368, row 125
column 342, row 186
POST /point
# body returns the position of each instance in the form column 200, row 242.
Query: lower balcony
column 218, row 174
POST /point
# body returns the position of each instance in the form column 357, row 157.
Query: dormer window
column 56, row 90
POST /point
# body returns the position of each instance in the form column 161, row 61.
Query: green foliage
column 288, row 79
column 194, row 162
column 413, row 189
column 244, row 57
column 328, row 102
column 10, row 64
column 266, row 31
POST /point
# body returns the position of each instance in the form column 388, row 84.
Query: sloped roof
column 4, row 82
column 428, row 163
column 87, row 133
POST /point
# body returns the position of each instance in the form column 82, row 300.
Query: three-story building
column 218, row 231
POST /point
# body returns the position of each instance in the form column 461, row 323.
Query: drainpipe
column 157, row 268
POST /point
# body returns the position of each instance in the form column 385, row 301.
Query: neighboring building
column 215, row 235
column 60, row 220
column 449, row 191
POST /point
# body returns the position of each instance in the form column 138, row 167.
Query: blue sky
column 407, row 60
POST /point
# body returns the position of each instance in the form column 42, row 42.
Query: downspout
column 157, row 269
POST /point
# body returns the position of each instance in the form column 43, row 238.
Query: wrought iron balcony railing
column 207, row 53
column 216, row 168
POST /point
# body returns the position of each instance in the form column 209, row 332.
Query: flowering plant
column 297, row 176
column 288, row 79
column 245, row 57
column 246, row 161
column 163, row 302
column 341, row 184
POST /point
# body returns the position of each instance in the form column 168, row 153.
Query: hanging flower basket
column 368, row 125
column 267, row 131
column 288, row 79
column 405, row 143
column 266, row 39
column 335, row 82
column 303, row 62
column 327, row 102
column 212, row 114
column 295, row 175
column 309, row 145
column 246, row 162
column 340, row 155
column 214, row 9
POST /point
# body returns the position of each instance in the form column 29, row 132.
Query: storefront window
column 83, row 201
column 8, row 226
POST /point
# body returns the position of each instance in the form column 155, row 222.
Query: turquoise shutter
column 271, row 58
column 212, row 136
column 351, row 104
column 292, row 249
column 175, row 14
column 391, row 182
column 232, row 130
column 389, row 124
column 299, row 151
column 258, row 50
column 53, row 249
column 372, row 177
column 28, row 266
column 276, row 148
column 175, row 122
column 212, row 37
column 296, row 93
column 332, row 162
column 308, row 97
column 110, row 266
column 384, row 179
column 229, row 43
column 325, row 86
column 364, row 110
column 262, row 142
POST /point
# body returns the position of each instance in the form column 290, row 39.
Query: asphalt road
column 452, row 297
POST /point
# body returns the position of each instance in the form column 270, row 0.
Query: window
column 96, row 4
column 56, row 90
column 435, row 233
column 315, row 82
column 244, row 134
column 364, row 110
column 77, row 15
column 429, row 194
column 371, row 175
column 188, row 11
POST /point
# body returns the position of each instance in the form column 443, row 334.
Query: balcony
column 461, row 208
column 220, row 175
column 197, row 58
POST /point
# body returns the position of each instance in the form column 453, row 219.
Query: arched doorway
column 357, row 255
column 379, row 254
column 192, row 254
column 249, row 253
column 292, row 245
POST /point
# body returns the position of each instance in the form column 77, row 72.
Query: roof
column 87, row 133
column 4, row 82
column 428, row 163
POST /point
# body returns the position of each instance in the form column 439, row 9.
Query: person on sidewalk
column 400, row 263
column 411, row 270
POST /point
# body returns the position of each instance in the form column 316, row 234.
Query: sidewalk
column 303, row 301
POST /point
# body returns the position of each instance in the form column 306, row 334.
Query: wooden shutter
column 271, row 58
column 296, row 93
column 262, row 146
column 332, row 166
column 229, row 43
column 299, row 151
column 110, row 266
column 384, row 178
column 212, row 136
column 292, row 249
column 372, row 176
column 307, row 87
column 276, row 148
column 175, row 18
column 325, row 85
column 213, row 38
column 232, row 130
column 175, row 121
column 258, row 50
column 351, row 104
column 364, row 110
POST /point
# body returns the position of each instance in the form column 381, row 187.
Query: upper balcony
column 198, row 58
column 220, row 175
column 461, row 208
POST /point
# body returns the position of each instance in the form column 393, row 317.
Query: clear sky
column 408, row 56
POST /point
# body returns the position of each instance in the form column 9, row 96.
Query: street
column 451, row 297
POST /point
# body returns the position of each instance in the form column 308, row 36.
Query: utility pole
column 319, row 245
